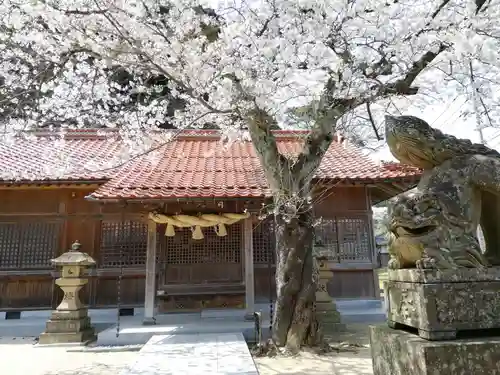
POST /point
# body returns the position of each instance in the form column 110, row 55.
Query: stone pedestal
column 427, row 311
column 439, row 304
column 396, row 352
column 70, row 323
column 326, row 310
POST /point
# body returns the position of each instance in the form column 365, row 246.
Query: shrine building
column 183, row 228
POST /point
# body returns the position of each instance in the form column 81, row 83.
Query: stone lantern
column 69, row 322
column 326, row 309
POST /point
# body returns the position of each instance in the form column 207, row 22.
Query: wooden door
column 213, row 259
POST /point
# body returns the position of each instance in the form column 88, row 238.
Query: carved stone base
column 330, row 320
column 397, row 352
column 326, row 309
column 66, row 327
column 82, row 337
column 69, row 314
column 440, row 304
column 149, row 322
column 428, row 335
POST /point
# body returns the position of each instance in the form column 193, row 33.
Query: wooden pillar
column 150, row 292
column 249, row 269
column 373, row 245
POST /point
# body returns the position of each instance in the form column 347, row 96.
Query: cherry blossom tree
column 248, row 66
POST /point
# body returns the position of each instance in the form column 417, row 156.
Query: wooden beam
column 387, row 188
column 249, row 271
column 403, row 187
column 150, row 288
column 351, row 266
column 13, row 216
column 373, row 246
column 49, row 186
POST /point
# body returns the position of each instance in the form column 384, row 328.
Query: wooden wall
column 348, row 209
column 114, row 235
column 56, row 217
column 60, row 216
column 346, row 233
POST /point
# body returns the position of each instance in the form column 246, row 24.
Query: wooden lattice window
column 344, row 239
column 354, row 241
column 326, row 241
column 264, row 241
column 28, row 245
column 182, row 249
column 123, row 244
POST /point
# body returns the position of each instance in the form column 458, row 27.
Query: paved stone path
column 194, row 354
column 19, row 356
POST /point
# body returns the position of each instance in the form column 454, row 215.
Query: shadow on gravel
column 95, row 368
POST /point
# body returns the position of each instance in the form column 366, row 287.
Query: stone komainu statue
column 436, row 226
column 413, row 141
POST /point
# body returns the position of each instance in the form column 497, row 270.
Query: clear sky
column 447, row 119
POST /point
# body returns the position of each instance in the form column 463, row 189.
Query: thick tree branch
column 260, row 129
column 260, row 124
column 384, row 66
column 404, row 86
column 320, row 137
column 276, row 166
column 141, row 53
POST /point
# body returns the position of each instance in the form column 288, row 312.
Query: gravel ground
column 19, row 356
column 359, row 363
column 25, row 359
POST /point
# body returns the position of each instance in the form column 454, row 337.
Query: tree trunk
column 294, row 322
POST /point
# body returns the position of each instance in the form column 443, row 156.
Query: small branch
column 265, row 26
column 433, row 16
column 480, row 4
column 184, row 88
column 477, row 96
column 487, row 112
column 372, row 121
column 77, row 11
column 83, row 12
column 439, row 8
column 384, row 66
column 152, row 149
column 237, row 83
column 404, row 86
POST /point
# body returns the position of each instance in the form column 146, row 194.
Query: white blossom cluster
column 225, row 58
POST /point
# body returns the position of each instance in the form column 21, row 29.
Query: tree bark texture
column 294, row 321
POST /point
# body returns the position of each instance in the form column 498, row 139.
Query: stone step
column 358, row 304
column 217, row 354
column 369, row 316
column 361, row 310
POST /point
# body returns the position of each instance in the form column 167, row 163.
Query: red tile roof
column 193, row 164
column 45, row 158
